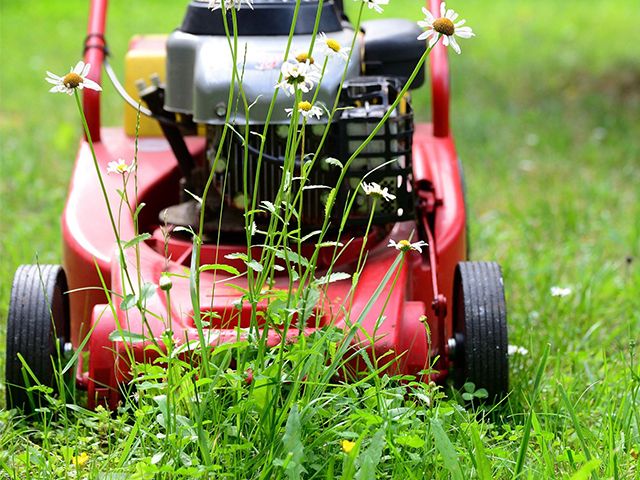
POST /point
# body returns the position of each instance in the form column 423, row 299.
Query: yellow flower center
column 444, row 26
column 72, row 80
column 404, row 243
column 304, row 106
column 334, row 45
column 303, row 57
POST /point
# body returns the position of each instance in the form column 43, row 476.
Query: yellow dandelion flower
column 80, row 460
column 347, row 445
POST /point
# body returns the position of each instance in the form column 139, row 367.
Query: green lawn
column 546, row 116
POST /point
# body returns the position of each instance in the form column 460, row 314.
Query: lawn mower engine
column 199, row 68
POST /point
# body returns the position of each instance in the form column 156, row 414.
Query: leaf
column 126, row 336
column 128, row 301
column 334, row 277
column 334, row 162
column 586, row 470
column 220, row 266
column 413, row 441
column 184, row 229
column 269, row 206
column 292, row 256
column 237, row 256
column 194, row 196
column 254, row 265
column 481, row 393
column 148, row 291
column 189, row 345
column 330, row 200
column 331, row 243
column 308, row 302
column 524, row 443
column 293, row 445
column 310, row 235
column 483, row 466
column 446, row 449
column 370, row 457
column 136, row 240
column 136, row 214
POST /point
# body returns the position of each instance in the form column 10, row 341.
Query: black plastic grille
column 386, row 160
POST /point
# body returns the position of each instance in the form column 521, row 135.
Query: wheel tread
column 485, row 329
column 37, row 292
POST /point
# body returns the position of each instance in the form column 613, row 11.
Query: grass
column 545, row 110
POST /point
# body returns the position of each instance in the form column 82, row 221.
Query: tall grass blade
column 483, row 466
column 447, row 450
column 576, row 424
column 522, row 452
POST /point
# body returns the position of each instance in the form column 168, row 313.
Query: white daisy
column 306, row 109
column 76, row 78
column 516, row 350
column 376, row 191
column 444, row 27
column 560, row 291
column 120, row 167
column 228, row 4
column 406, row 245
column 300, row 75
column 332, row 48
column 375, row 4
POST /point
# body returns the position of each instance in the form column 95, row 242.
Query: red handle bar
column 94, row 54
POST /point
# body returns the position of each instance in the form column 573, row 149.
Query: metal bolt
column 451, row 347
column 141, row 85
column 221, row 109
column 155, row 79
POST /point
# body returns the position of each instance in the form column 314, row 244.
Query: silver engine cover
column 199, row 72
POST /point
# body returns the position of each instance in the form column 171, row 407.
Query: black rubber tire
column 480, row 326
column 38, row 319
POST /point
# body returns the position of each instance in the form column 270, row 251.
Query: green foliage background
column 546, row 116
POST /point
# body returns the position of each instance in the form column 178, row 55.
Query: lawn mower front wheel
column 479, row 349
column 37, row 330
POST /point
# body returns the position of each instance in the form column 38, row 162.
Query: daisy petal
column 433, row 40
column 78, row 68
column 464, row 32
column 454, row 45
column 85, row 70
column 92, row 85
column 428, row 15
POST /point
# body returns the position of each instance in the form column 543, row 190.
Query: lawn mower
column 443, row 318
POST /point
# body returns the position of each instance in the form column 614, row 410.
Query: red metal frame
column 423, row 284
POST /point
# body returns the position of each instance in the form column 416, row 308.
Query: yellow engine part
column 146, row 56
